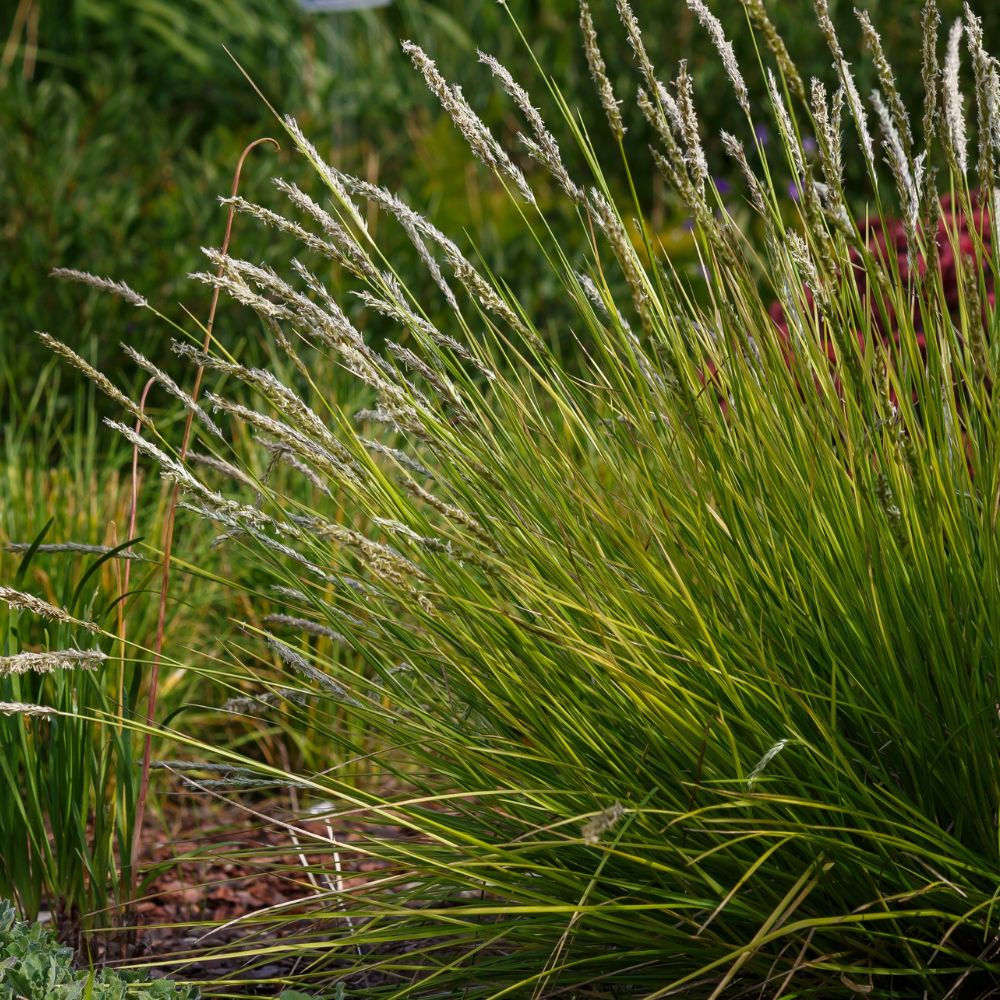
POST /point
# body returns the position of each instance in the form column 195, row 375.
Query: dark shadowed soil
column 213, row 870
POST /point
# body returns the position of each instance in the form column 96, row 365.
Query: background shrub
column 122, row 122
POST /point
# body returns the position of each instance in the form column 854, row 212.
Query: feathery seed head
column 19, row 708
column 79, row 548
column 47, row 662
column 887, row 79
column 599, row 72
column 762, row 21
column 544, row 147
column 689, row 125
column 896, row 157
column 98, row 378
column 956, row 139
column 279, row 222
column 735, row 149
column 21, row 601
column 604, row 822
column 119, row 288
column 631, row 23
column 303, row 667
column 987, row 99
column 847, row 82
column 163, row 379
column 221, row 465
column 763, row 762
column 828, row 136
column 785, row 126
column 472, row 128
column 303, row 625
column 329, row 176
column 930, row 23
column 725, row 49
column 173, row 471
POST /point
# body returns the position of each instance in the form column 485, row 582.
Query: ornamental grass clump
column 67, row 782
column 676, row 629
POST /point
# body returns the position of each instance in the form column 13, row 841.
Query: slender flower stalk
column 638, row 281
column 180, row 476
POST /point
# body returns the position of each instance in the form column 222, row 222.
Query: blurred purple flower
column 722, row 185
column 793, row 190
column 809, row 145
column 688, row 225
column 762, row 133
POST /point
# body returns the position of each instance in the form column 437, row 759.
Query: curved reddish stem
column 168, row 531
column 134, row 504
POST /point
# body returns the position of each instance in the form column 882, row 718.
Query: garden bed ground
column 214, row 867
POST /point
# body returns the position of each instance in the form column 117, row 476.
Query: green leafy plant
column 679, row 653
column 33, row 966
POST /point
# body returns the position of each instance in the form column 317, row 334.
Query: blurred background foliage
column 122, row 120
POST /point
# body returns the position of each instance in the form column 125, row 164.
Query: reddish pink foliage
column 956, row 242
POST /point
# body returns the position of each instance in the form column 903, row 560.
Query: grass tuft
column 674, row 629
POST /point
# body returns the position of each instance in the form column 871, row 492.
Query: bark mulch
column 212, row 869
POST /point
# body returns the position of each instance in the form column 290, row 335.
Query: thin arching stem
column 168, row 533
